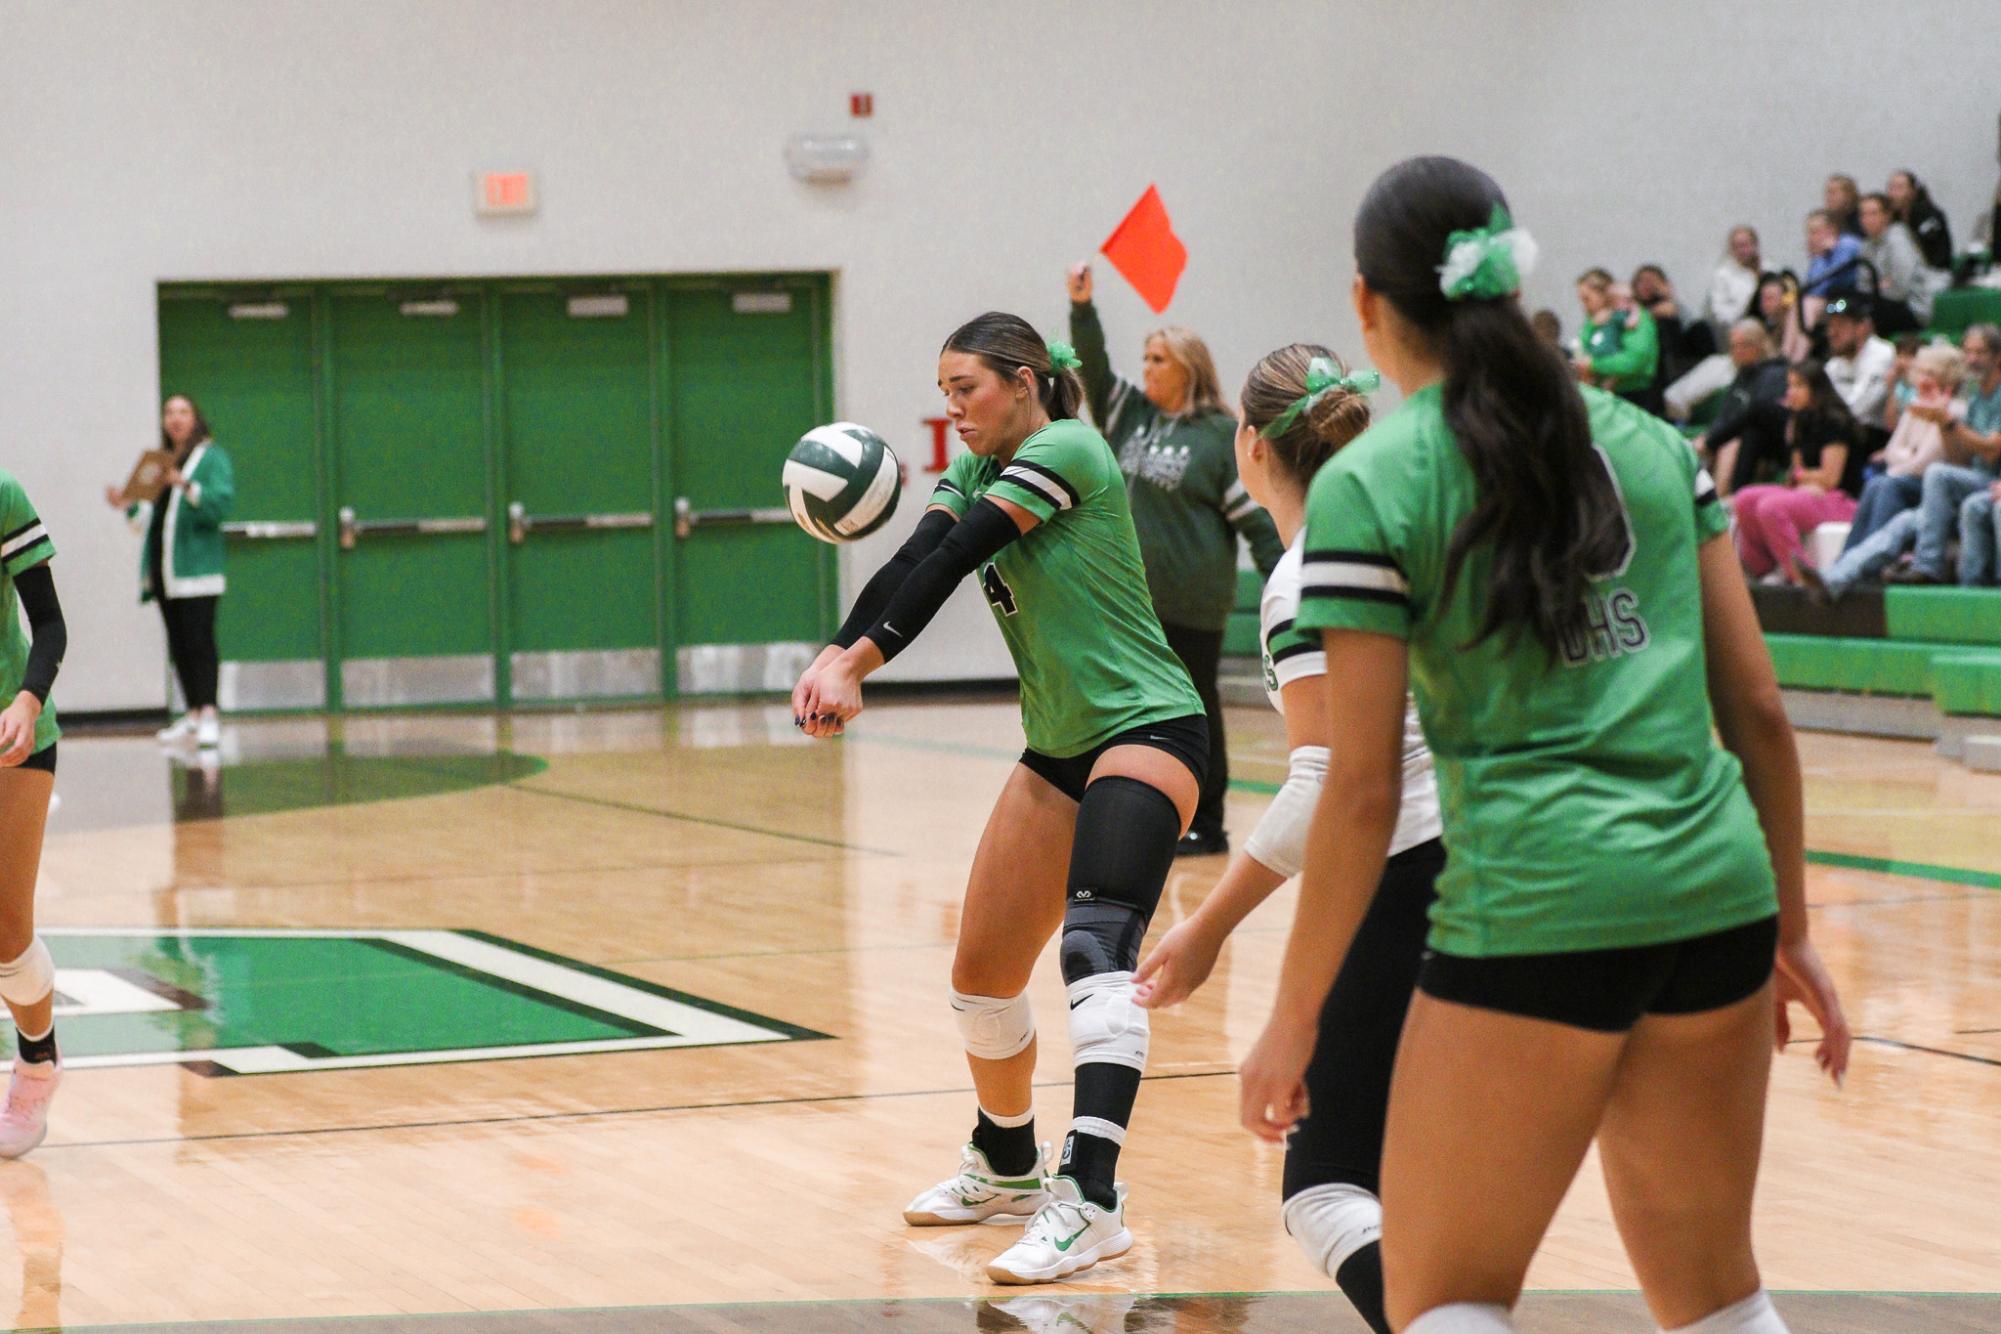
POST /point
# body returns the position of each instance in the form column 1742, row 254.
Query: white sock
column 1754, row 1315
column 1462, row 1318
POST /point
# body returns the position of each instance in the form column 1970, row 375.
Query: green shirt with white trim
column 24, row 544
column 1587, row 802
column 1070, row 594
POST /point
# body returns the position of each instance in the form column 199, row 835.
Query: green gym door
column 583, row 600
column 248, row 363
column 413, row 570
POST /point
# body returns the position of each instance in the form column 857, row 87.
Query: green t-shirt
column 1587, row 803
column 24, row 544
column 1070, row 594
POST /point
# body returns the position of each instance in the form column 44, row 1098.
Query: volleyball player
column 1299, row 407
column 28, row 732
column 1085, row 829
column 1551, row 569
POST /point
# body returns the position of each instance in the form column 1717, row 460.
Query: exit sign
column 504, row 192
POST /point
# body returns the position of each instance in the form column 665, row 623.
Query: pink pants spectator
column 1771, row 520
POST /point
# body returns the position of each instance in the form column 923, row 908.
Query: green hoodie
column 1188, row 506
column 1625, row 359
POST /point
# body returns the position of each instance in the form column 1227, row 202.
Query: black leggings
column 1348, row 1081
column 1200, row 651
column 191, row 644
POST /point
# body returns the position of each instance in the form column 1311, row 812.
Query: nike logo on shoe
column 1071, row 1240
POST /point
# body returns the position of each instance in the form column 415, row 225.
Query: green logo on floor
column 241, row 1001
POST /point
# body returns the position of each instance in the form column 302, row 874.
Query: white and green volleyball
column 841, row 481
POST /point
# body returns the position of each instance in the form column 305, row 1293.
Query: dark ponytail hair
column 1546, row 502
column 1275, row 384
column 1006, row 343
column 1826, row 416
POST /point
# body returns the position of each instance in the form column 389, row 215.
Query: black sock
column 1105, row 1092
column 42, row 1048
column 1361, row 1278
column 1010, row 1150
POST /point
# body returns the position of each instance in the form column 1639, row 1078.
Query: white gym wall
column 143, row 142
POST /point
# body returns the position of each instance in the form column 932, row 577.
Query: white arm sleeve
column 1279, row 841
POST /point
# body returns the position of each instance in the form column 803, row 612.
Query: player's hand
column 1175, row 967
column 1801, row 977
column 17, row 729
column 114, row 496
column 1080, row 283
column 804, row 689
column 1272, row 1079
column 836, row 697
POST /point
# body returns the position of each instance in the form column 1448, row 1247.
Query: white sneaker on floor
column 978, row 1194
column 1095, row 1313
column 179, row 730
column 1066, row 1235
column 208, row 733
column 25, row 1120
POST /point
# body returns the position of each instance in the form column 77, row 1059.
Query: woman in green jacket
column 1175, row 440
column 180, row 566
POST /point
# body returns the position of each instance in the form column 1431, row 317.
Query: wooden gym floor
column 635, row 1020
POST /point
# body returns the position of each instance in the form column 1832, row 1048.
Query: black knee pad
column 1123, row 850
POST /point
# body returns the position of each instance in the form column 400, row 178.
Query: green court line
column 1955, row 875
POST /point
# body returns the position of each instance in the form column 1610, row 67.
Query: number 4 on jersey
column 997, row 590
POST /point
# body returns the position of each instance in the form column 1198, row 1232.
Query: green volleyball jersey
column 1070, row 594
column 1587, row 804
column 24, row 544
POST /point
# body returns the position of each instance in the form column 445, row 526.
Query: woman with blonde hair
column 1173, row 434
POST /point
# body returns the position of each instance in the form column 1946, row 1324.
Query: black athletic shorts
column 43, row 759
column 1608, row 990
column 1186, row 739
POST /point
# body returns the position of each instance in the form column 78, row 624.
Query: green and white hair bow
column 1322, row 379
column 1487, row 262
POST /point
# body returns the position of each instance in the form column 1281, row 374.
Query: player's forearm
column 1246, row 884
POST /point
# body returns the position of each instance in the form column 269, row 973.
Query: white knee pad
column 1106, row 1028
column 1462, row 1318
column 1279, row 841
column 1332, row 1222
column 994, row 1027
column 1754, row 1315
column 29, row 978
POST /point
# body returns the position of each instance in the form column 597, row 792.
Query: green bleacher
column 1942, row 643
column 1959, row 307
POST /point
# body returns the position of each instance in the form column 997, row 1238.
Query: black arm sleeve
column 973, row 541
column 877, row 592
column 45, row 623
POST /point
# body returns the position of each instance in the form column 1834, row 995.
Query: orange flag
column 1145, row 249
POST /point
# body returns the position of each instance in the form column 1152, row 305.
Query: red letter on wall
column 938, row 459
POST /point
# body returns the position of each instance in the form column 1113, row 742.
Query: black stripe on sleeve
column 944, row 485
column 1706, row 498
column 1351, row 557
column 31, row 523
column 1383, row 595
column 1056, row 477
column 1295, row 650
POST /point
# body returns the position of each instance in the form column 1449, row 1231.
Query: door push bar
column 520, row 523
column 265, row 530
column 687, row 518
column 353, row 529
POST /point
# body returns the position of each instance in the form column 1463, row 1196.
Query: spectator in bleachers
column 1903, row 387
column 1548, row 327
column 1832, row 256
column 1841, row 198
column 1972, row 449
column 1860, row 362
column 1778, row 293
column 1683, row 342
column 1980, row 537
column 1746, row 444
column 1905, row 284
column 1619, row 348
column 1913, row 205
column 1917, row 442
column 1734, row 284
column 1825, row 463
